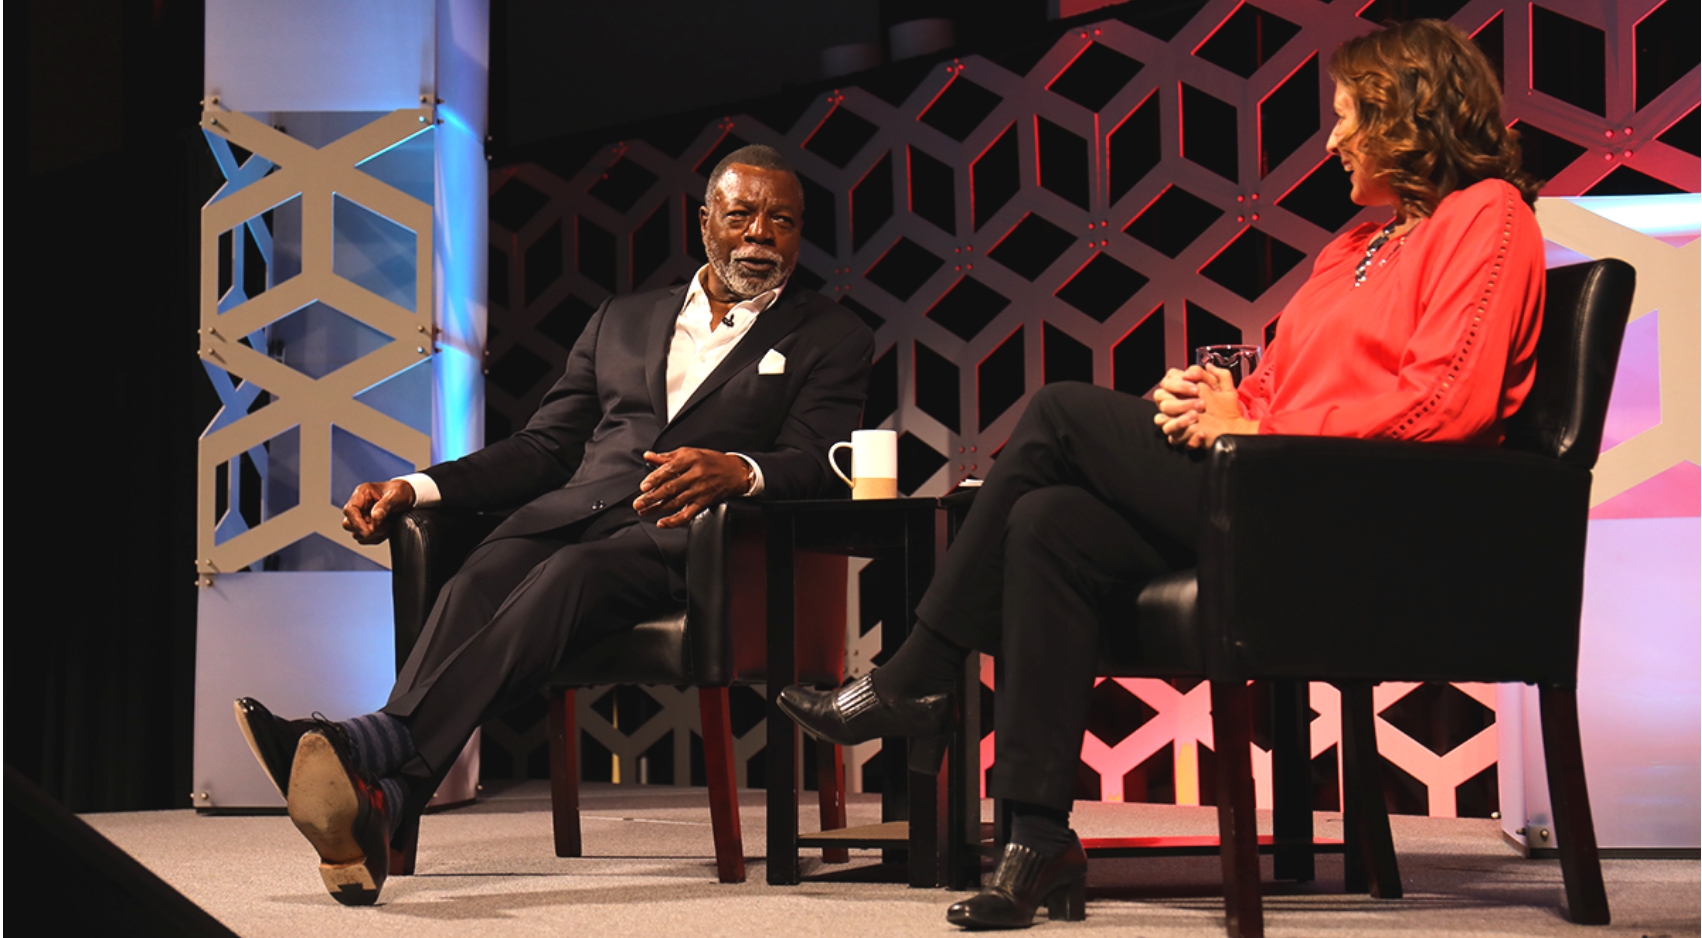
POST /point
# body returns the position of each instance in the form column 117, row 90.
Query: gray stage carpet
column 489, row 869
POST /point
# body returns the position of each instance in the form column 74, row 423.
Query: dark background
column 99, row 678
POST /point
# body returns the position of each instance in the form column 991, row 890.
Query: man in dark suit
column 672, row 401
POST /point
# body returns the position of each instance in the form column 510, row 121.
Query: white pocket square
column 773, row 363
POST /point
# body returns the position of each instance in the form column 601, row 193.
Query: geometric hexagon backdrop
column 1087, row 208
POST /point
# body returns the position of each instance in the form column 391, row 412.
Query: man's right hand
column 368, row 511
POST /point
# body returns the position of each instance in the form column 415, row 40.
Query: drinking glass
column 1238, row 360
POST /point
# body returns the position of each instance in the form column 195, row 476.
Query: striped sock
column 382, row 744
column 392, row 788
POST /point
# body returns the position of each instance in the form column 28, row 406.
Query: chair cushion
column 652, row 652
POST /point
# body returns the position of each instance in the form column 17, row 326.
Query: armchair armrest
column 727, row 602
column 427, row 546
column 724, row 551
column 1440, row 560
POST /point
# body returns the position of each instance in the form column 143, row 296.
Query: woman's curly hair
column 1429, row 112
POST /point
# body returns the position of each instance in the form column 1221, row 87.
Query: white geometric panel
column 264, row 395
column 1666, row 283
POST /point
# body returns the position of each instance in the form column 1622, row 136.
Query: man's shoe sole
column 324, row 805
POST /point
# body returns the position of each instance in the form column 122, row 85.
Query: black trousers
column 1086, row 499
column 503, row 622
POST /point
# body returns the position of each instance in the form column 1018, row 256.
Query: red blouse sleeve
column 1255, row 392
column 1470, row 359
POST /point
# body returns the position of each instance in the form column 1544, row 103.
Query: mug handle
column 834, row 464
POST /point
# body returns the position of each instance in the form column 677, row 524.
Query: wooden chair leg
column 830, row 792
column 1371, row 847
column 1574, row 828
column 1291, row 781
column 723, row 793
column 1354, row 881
column 963, row 782
column 564, row 773
column 1237, row 823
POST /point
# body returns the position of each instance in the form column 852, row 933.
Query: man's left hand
column 686, row 481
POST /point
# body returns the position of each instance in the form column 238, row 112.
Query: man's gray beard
column 742, row 287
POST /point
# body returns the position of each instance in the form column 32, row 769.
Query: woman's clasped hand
column 1198, row 405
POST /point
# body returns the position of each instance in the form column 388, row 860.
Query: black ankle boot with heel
column 856, row 714
column 1025, row 880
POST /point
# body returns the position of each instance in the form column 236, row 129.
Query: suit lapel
column 663, row 318
column 774, row 323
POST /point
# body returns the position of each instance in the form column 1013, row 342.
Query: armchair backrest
column 1583, row 324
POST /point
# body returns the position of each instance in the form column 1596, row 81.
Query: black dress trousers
column 505, row 619
column 1086, row 499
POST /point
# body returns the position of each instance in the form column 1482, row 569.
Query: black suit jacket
column 582, row 452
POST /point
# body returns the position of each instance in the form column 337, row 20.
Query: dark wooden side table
column 909, row 534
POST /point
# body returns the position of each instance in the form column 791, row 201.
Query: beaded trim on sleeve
column 1466, row 345
column 1267, row 387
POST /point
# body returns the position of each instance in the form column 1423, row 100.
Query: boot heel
column 927, row 753
column 1068, row 902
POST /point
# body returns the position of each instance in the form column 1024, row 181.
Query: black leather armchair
column 1359, row 561
column 717, row 640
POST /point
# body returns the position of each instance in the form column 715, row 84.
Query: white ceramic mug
column 874, row 463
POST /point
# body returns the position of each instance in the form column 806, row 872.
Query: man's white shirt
column 696, row 350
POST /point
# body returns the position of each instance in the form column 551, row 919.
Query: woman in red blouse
column 1420, row 327
column 1423, row 328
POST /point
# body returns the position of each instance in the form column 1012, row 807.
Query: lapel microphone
column 727, row 320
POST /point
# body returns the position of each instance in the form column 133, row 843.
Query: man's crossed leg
column 498, row 629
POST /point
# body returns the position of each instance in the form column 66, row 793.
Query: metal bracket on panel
column 1533, row 837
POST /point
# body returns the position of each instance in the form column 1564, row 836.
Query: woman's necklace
column 1371, row 251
